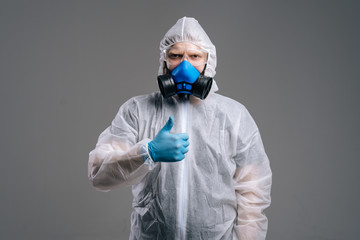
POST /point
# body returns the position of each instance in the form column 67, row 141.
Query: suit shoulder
column 142, row 99
column 228, row 104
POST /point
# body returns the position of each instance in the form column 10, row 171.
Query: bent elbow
column 100, row 184
column 106, row 180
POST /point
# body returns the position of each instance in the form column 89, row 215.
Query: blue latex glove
column 167, row 147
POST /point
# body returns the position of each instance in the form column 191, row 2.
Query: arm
column 118, row 158
column 252, row 180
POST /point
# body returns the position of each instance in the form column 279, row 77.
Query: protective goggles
column 174, row 56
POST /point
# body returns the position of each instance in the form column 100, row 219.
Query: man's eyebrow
column 174, row 50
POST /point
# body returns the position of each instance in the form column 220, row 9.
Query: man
column 194, row 158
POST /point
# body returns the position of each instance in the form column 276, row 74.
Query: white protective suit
column 227, row 178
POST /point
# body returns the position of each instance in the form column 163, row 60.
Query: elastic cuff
column 146, row 156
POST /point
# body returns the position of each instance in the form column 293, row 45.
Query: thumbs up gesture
column 167, row 147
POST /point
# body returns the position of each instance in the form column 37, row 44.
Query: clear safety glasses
column 174, row 56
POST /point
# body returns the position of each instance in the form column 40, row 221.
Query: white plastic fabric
column 228, row 177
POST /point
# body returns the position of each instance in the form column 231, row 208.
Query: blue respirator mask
column 185, row 79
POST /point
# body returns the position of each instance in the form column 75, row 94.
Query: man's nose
column 185, row 57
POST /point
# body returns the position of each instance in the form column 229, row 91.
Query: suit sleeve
column 119, row 158
column 252, row 181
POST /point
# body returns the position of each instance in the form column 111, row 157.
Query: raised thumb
column 169, row 124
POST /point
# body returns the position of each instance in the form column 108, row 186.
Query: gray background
column 67, row 66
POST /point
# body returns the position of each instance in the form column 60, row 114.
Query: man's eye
column 195, row 56
column 175, row 56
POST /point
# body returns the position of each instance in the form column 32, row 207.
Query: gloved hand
column 167, row 147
